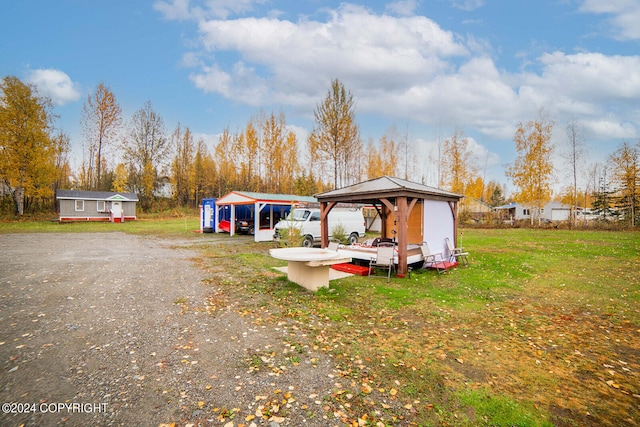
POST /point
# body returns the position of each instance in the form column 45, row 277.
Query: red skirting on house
column 83, row 219
column 94, row 219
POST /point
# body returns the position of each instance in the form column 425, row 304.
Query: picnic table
column 308, row 267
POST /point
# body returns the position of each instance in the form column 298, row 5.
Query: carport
column 409, row 212
column 265, row 210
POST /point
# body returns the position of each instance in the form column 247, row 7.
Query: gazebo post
column 325, row 208
column 401, row 217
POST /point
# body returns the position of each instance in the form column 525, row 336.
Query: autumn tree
column 120, row 178
column 382, row 157
column 532, row 172
column 204, row 173
column 334, row 143
column 625, row 171
column 101, row 121
column 248, row 156
column 280, row 154
column 27, row 150
column 182, row 165
column 145, row 151
column 573, row 153
column 226, row 176
column 60, row 143
column 457, row 168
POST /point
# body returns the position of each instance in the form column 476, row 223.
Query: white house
column 552, row 211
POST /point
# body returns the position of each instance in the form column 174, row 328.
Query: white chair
column 333, row 246
column 383, row 259
column 456, row 254
column 432, row 260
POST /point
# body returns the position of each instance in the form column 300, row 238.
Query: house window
column 79, row 205
column 101, row 206
column 525, row 212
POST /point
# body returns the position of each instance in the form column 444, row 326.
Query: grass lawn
column 542, row 328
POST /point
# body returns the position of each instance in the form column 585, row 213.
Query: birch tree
column 145, row 151
column 334, row 143
column 204, row 173
column 182, row 165
column 226, row 176
column 457, row 169
column 101, row 122
column 382, row 158
column 532, row 172
column 574, row 152
column 27, row 151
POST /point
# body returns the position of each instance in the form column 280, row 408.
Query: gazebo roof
column 386, row 187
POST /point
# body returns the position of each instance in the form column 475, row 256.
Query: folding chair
column 456, row 253
column 431, row 260
column 383, row 259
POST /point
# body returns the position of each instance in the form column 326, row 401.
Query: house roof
column 507, row 206
column 248, row 197
column 386, row 186
column 96, row 195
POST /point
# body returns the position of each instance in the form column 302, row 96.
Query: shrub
column 339, row 233
column 291, row 236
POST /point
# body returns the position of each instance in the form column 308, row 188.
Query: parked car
column 307, row 220
column 245, row 226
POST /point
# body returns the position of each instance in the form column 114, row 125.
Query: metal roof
column 386, row 186
column 248, row 197
column 96, row 195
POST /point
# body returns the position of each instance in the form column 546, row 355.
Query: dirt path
column 114, row 329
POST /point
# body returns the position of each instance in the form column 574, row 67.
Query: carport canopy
column 260, row 201
column 389, row 195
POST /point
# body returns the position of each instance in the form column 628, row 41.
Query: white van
column 307, row 220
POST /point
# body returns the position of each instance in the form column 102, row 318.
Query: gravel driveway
column 115, row 329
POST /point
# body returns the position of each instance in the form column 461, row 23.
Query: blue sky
column 427, row 67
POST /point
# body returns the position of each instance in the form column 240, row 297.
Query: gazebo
column 395, row 200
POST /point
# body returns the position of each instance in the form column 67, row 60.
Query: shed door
column 116, row 209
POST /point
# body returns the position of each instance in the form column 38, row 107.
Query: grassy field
column 169, row 224
column 542, row 328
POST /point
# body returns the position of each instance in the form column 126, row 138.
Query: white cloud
column 181, row 10
column 467, row 5
column 403, row 7
column 370, row 53
column 409, row 68
column 625, row 16
column 55, row 84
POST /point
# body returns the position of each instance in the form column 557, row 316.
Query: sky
column 428, row 68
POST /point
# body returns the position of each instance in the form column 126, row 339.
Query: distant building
column 76, row 205
column 476, row 209
column 552, row 211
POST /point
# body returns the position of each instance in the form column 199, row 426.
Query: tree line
column 266, row 156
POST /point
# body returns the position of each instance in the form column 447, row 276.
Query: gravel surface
column 114, row 329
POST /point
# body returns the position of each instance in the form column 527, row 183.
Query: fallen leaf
column 613, row 384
